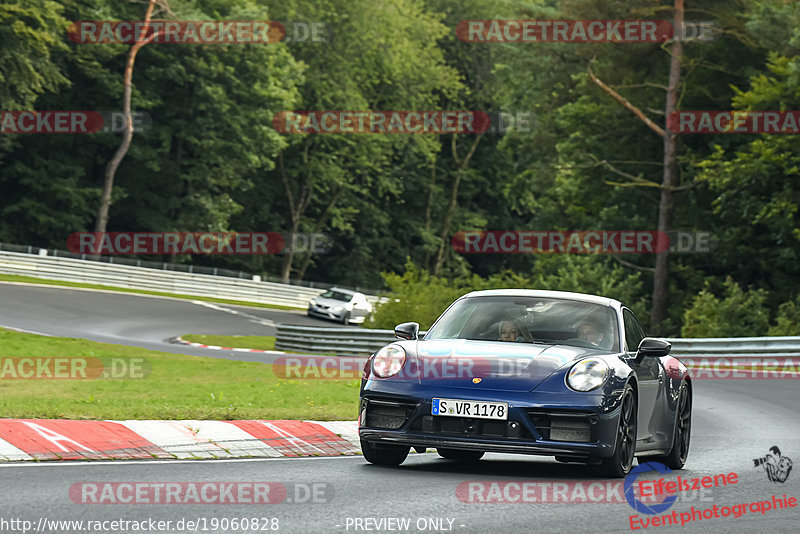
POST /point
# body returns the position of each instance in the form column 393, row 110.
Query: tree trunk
column 666, row 202
column 127, row 136
column 461, row 167
column 288, row 254
column 448, row 218
column 669, row 181
column 296, row 211
column 426, row 262
column 317, row 227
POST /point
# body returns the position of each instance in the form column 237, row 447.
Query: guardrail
column 340, row 341
column 131, row 276
column 736, row 347
column 174, row 266
column 363, row 342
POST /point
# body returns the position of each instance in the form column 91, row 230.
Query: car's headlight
column 587, row 374
column 337, row 308
column 312, row 302
column 388, row 361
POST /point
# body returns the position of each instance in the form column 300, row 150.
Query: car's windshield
column 529, row 320
column 336, row 295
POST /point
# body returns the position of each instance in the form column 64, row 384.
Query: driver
column 589, row 331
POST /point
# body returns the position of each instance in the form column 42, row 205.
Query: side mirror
column 406, row 331
column 651, row 346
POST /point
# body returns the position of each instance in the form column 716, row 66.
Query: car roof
column 566, row 295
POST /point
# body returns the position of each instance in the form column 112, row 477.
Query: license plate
column 468, row 408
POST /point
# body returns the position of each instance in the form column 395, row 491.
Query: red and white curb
column 217, row 347
column 59, row 439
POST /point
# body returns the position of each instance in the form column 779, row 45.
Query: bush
column 594, row 275
column 787, row 322
column 737, row 314
column 418, row 296
column 414, row 296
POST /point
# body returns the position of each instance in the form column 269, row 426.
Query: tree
column 756, row 179
column 669, row 183
column 395, row 65
column 127, row 134
column 195, row 168
column 593, row 162
column 32, row 32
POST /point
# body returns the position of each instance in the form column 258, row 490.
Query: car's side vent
column 388, row 415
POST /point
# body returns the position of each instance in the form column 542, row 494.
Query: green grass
column 42, row 281
column 176, row 387
column 239, row 342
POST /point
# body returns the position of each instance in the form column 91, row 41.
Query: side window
column 634, row 333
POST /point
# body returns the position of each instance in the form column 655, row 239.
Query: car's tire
column 464, row 456
column 346, row 318
column 619, row 464
column 385, row 455
column 683, row 433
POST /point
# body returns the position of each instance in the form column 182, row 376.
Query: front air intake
column 388, row 415
column 555, row 426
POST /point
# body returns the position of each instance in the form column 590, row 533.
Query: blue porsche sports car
column 532, row 372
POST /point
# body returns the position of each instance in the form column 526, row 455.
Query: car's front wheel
column 620, row 463
column 683, row 430
column 384, row 455
column 464, row 456
column 346, row 318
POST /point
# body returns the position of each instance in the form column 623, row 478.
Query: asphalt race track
column 735, row 422
column 139, row 320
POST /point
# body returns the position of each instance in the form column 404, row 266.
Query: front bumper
column 574, row 425
column 575, row 450
column 326, row 313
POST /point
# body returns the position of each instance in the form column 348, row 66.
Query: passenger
column 508, row 331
